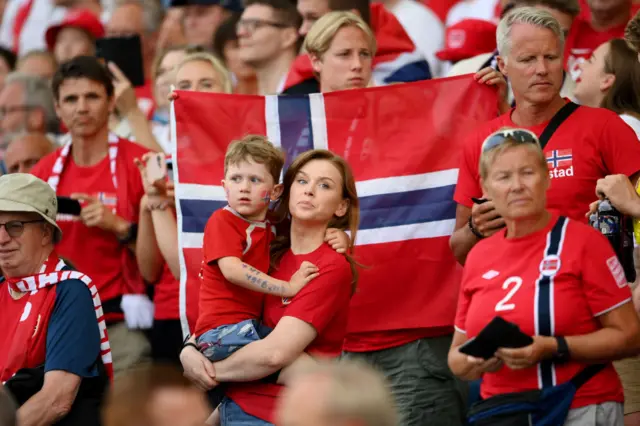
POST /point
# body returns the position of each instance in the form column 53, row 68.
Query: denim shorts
column 232, row 415
column 219, row 343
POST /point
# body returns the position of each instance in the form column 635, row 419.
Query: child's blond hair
column 260, row 150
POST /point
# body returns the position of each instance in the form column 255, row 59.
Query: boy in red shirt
column 236, row 252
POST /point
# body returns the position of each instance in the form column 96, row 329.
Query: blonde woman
column 341, row 47
column 203, row 72
column 164, row 76
column 157, row 248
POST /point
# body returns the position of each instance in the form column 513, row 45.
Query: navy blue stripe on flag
column 196, row 213
column 405, row 208
column 414, row 71
column 296, row 133
column 376, row 211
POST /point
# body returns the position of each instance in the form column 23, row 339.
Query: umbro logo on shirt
column 490, row 275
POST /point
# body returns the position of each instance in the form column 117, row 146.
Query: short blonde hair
column 487, row 158
column 525, row 15
column 217, row 65
column 322, row 33
column 258, row 149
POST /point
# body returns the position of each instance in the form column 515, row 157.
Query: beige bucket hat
column 21, row 192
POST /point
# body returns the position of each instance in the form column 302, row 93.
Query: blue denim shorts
column 219, row 343
column 232, row 415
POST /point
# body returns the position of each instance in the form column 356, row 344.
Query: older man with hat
column 55, row 356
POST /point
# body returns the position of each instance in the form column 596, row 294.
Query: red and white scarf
column 51, row 273
column 61, row 162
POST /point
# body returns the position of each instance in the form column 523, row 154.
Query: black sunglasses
column 498, row 138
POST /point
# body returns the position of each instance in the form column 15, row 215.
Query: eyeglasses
column 15, row 228
column 251, row 25
column 499, row 137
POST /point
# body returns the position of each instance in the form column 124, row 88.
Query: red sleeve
column 468, row 177
column 320, row 300
column 620, row 147
column 464, row 299
column 222, row 238
column 135, row 186
column 43, row 168
column 603, row 279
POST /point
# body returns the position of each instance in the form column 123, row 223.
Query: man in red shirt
column 96, row 168
column 608, row 20
column 590, row 144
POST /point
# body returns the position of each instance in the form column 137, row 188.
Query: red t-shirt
column 590, row 144
column 166, row 296
column 98, row 253
column 323, row 303
column 502, row 277
column 228, row 234
column 583, row 40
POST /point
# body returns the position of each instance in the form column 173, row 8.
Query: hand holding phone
column 126, row 53
column 67, row 205
column 485, row 217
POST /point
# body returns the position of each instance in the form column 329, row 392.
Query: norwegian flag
column 559, row 158
column 403, row 143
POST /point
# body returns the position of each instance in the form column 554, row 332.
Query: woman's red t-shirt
column 323, row 303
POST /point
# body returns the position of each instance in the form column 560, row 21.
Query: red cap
column 468, row 38
column 78, row 18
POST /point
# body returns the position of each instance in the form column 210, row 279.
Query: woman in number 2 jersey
column 557, row 279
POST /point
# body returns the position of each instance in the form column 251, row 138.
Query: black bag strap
column 556, row 121
column 585, row 375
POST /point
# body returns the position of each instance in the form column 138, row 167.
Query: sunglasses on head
column 498, row 138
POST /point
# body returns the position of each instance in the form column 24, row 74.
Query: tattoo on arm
column 262, row 283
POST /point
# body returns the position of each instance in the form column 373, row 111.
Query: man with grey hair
column 339, row 393
column 26, row 105
column 582, row 144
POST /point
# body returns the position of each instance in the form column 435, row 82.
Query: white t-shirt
column 424, row 28
column 472, row 9
column 633, row 122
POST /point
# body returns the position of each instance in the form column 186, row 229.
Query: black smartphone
column 126, row 53
column 499, row 333
column 69, row 206
column 479, row 200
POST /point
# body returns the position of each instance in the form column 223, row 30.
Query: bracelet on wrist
column 474, row 231
column 193, row 345
column 158, row 206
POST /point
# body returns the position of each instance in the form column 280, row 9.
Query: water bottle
column 619, row 231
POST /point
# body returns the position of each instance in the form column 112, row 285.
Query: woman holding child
column 319, row 192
